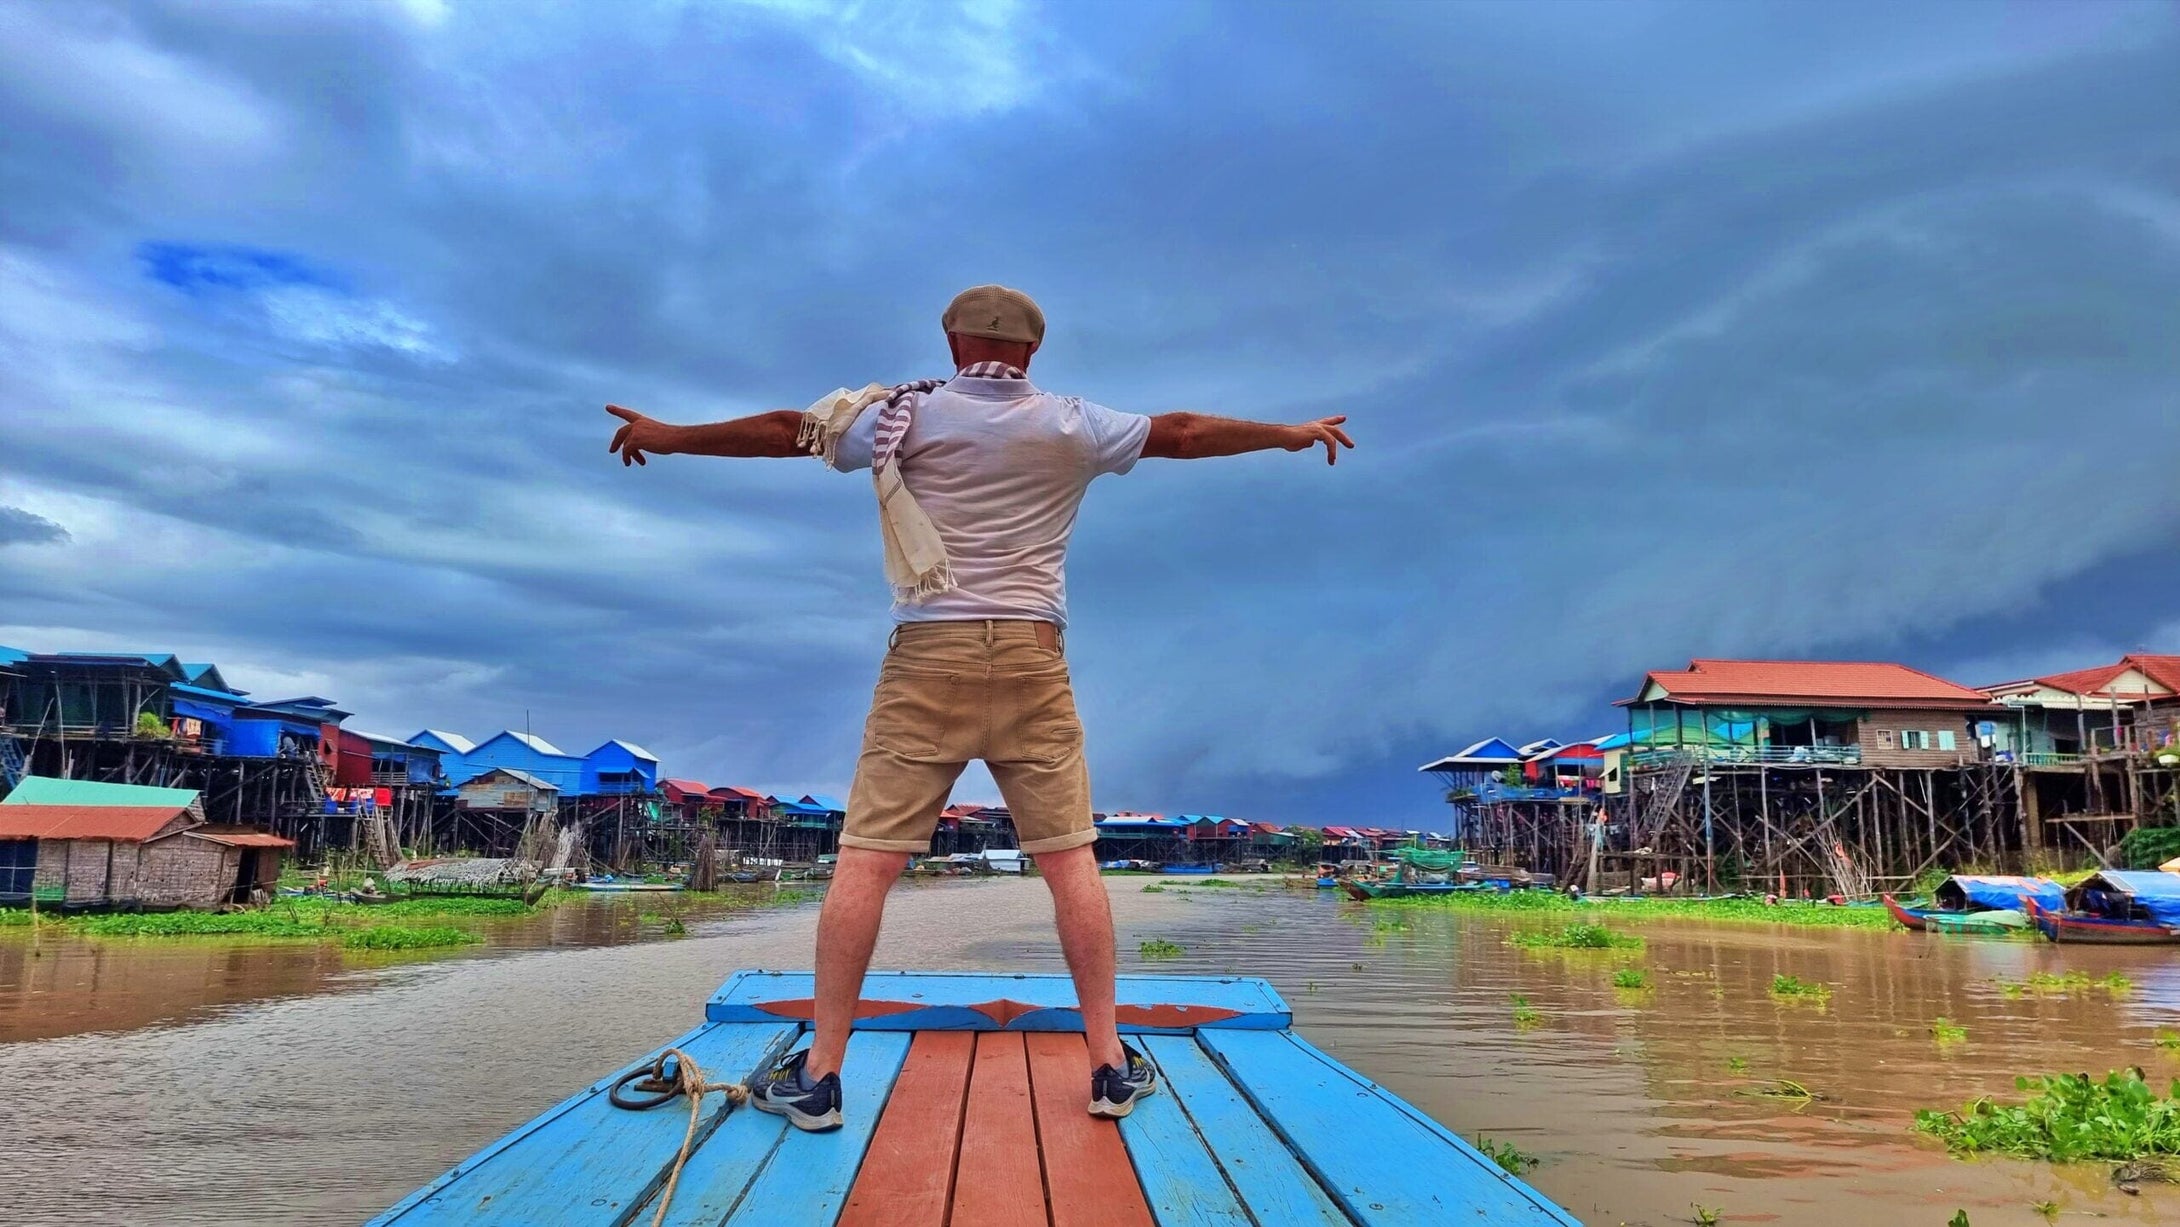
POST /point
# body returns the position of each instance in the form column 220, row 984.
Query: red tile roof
column 1813, row 683
column 131, row 823
column 2164, row 670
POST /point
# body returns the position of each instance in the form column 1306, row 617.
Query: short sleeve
column 853, row 452
column 1116, row 438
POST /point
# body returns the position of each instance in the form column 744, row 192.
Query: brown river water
column 195, row 1082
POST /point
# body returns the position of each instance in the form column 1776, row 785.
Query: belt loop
column 991, row 630
column 893, row 640
column 1059, row 638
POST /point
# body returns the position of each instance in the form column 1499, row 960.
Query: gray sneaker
column 788, row 1090
column 1114, row 1090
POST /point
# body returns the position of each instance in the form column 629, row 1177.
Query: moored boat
column 2115, row 907
column 1909, row 917
column 965, row 1099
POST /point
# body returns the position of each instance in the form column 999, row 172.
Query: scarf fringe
column 934, row 582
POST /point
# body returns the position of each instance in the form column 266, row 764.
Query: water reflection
column 296, row 1084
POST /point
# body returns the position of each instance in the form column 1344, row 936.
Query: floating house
column 87, row 844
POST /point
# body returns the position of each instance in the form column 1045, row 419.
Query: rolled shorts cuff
column 885, row 845
column 1061, row 843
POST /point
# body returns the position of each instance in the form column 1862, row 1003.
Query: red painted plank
column 1087, row 1173
column 998, row 1181
column 907, row 1175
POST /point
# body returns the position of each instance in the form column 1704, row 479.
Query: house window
column 1914, row 739
column 1945, row 739
column 18, row 865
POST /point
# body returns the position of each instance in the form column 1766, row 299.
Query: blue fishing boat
column 1961, row 897
column 965, row 1098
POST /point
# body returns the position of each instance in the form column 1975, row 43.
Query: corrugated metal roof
column 823, row 802
column 630, row 746
column 523, row 776
column 461, row 744
column 1811, row 682
column 242, row 839
column 697, row 787
column 747, row 794
column 535, row 742
column 45, row 790
column 10, row 656
column 131, row 823
column 228, row 697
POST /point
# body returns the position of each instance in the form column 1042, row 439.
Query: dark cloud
column 19, row 527
column 1666, row 329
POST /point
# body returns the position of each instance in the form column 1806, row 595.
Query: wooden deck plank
column 998, row 1177
column 594, row 1163
column 1088, row 1179
column 1371, row 1154
column 1272, row 1184
column 907, row 1178
column 388, row 1216
column 930, row 1001
column 807, row 1177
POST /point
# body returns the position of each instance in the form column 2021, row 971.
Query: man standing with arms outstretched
column 979, row 479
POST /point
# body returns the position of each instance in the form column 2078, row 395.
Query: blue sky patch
column 197, row 268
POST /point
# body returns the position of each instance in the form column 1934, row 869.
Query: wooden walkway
column 979, row 1122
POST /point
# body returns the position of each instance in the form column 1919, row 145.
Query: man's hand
column 639, row 435
column 1324, row 430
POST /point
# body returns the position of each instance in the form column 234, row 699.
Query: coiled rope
column 673, row 1073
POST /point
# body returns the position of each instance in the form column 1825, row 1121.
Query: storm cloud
column 1664, row 329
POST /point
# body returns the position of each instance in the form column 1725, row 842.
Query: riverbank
column 1608, row 908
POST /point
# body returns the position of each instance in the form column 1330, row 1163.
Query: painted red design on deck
column 1005, row 1011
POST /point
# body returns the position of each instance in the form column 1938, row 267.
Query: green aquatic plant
column 1793, row 988
column 1737, row 1065
column 1388, row 926
column 1946, row 1031
column 2063, row 984
column 2066, row 1118
column 1704, row 1216
column 673, row 927
column 1750, row 911
column 1580, row 936
column 1784, row 1088
column 1959, row 1219
column 1508, row 1156
column 1155, row 888
column 1630, row 977
column 2168, row 1040
column 1525, row 1015
column 404, row 937
column 2049, row 1210
column 1160, row 948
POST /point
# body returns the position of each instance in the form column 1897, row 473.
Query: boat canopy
column 1441, row 862
column 2130, row 894
column 1967, row 892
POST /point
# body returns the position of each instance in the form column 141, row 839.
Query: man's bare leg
column 1085, row 919
column 855, row 904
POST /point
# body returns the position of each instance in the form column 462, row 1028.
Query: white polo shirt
column 1000, row 468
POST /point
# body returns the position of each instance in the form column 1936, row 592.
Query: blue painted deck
column 1251, row 1126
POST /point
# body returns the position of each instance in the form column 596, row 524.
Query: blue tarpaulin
column 1986, row 892
column 2154, row 894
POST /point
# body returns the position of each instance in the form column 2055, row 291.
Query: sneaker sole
column 1105, row 1109
column 800, row 1119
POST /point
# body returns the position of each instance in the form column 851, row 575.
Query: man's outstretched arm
column 762, row 434
column 1196, row 436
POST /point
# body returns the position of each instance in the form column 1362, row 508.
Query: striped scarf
column 916, row 562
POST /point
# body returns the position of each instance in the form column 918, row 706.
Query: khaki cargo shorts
column 954, row 691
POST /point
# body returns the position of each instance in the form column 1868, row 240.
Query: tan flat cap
column 997, row 312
